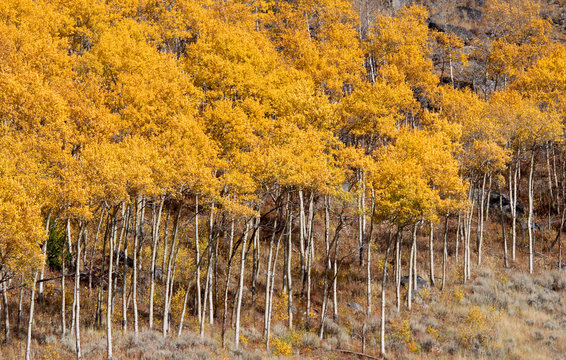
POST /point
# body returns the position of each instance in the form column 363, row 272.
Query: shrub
column 330, row 343
column 280, row 347
column 251, row 333
column 279, row 330
column 310, row 340
column 521, row 282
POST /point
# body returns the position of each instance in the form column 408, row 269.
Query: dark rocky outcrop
column 494, row 204
column 466, row 35
column 470, row 13
column 421, row 284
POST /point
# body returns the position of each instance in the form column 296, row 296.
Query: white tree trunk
column 30, row 321
column 241, row 286
column 109, row 297
column 155, row 235
column 531, row 215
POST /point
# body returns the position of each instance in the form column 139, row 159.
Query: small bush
column 279, row 330
column 251, row 334
column 330, row 343
column 310, row 340
column 429, row 344
column 521, row 282
column 280, row 347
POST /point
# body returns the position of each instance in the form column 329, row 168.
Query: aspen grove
column 201, row 166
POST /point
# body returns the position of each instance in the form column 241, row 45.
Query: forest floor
column 501, row 313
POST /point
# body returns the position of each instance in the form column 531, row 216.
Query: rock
column 524, row 225
column 356, row 307
column 494, row 204
column 122, row 256
column 158, row 274
column 464, row 34
column 470, row 13
column 421, row 284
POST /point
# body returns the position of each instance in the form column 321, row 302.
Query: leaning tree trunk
column 30, row 321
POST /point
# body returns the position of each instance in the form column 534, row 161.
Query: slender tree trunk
column 227, row 283
column 107, row 232
column 505, row 250
column 412, row 268
column 368, row 266
column 109, row 295
column 327, row 267
column 7, row 335
column 431, row 254
column 125, row 272
column 361, row 216
column 92, row 251
column 76, row 280
column 44, row 253
column 481, row 219
column 289, row 265
column 20, row 301
column 335, row 268
column 205, row 298
column 63, row 300
column 155, row 234
column 310, row 256
column 383, row 283
column 137, row 226
column 197, row 256
column 31, row 308
column 241, row 286
column 255, row 265
column 444, row 253
column 211, row 253
column 268, row 273
column 458, row 231
column 168, row 279
column 513, row 186
column 84, row 234
column 302, row 240
column 531, row 216
column 398, row 272
column 271, row 288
